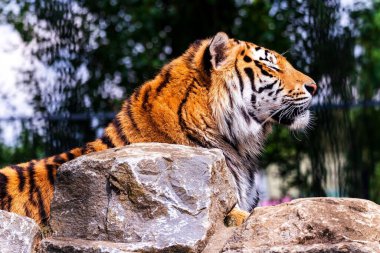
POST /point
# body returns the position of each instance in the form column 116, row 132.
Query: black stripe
column 229, row 123
column 32, row 183
column 27, row 211
column 229, row 94
column 232, row 140
column 192, row 52
column 41, row 207
column 261, row 67
column 130, row 115
column 88, row 148
column 50, row 169
column 247, row 58
column 58, row 159
column 207, row 60
column 236, row 177
column 258, row 64
column 136, row 94
column 107, row 141
column 268, row 86
column 195, row 140
column 266, row 53
column 164, row 82
column 70, row 156
column 253, row 116
column 83, row 149
column 265, row 73
column 276, row 69
column 245, row 115
column 252, row 175
column 21, row 177
column 181, row 105
column 181, row 121
column 240, row 79
column 8, row 202
column 251, row 76
column 3, row 189
column 231, row 143
column 119, row 130
column 255, row 201
column 279, row 90
column 146, row 98
column 253, row 98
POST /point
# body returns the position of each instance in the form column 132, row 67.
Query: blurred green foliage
column 30, row 146
column 98, row 47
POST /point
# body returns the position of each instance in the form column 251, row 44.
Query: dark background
column 120, row 44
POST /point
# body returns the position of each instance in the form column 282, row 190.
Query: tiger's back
column 210, row 97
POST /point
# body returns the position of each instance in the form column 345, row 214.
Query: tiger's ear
column 218, row 49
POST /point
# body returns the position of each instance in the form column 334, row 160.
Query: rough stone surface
column 219, row 238
column 312, row 225
column 156, row 196
column 18, row 233
column 70, row 245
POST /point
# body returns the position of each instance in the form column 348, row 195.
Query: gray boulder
column 151, row 197
column 18, row 233
column 313, row 225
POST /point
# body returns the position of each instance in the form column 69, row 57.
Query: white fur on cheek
column 301, row 121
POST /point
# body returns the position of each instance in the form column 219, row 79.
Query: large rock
column 310, row 225
column 156, row 196
column 18, row 233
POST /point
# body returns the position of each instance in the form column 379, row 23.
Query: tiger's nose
column 311, row 88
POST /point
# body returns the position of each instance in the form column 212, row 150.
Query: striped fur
column 221, row 93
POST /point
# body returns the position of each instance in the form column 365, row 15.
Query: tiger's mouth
column 294, row 118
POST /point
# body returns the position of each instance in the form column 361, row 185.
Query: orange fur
column 180, row 106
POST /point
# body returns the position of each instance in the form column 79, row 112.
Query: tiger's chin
column 301, row 121
column 297, row 121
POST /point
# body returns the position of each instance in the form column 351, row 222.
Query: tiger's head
column 253, row 86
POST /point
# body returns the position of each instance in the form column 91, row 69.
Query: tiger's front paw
column 236, row 217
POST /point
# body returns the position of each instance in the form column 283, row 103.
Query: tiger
column 221, row 93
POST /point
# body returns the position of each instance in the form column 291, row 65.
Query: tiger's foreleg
column 236, row 217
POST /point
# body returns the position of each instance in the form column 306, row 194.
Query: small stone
column 18, row 233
